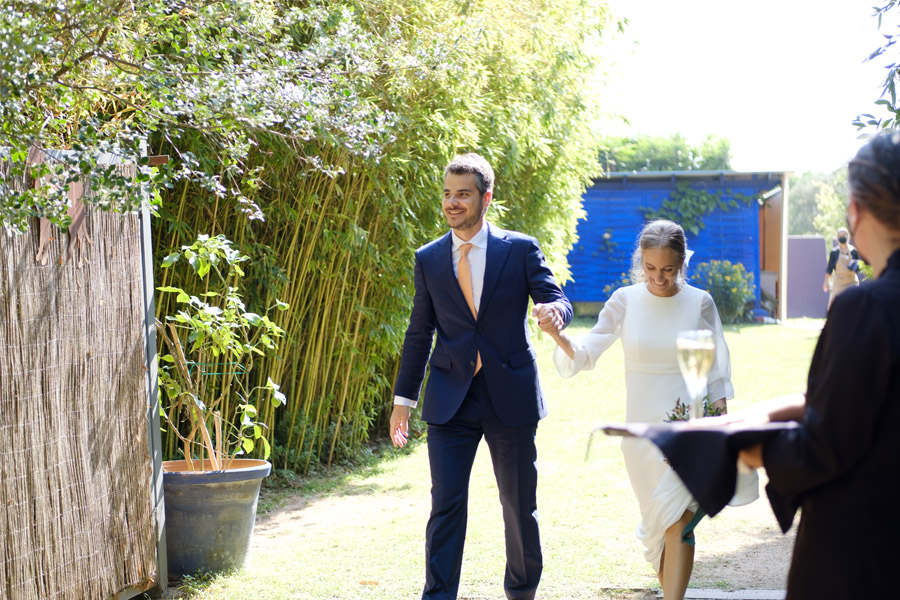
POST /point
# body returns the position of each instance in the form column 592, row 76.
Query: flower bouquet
column 682, row 411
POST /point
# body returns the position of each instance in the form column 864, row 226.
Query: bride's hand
column 548, row 317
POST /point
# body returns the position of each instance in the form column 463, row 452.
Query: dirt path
column 743, row 548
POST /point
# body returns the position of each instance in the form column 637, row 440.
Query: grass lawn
column 360, row 535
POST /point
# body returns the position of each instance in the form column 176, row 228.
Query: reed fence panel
column 76, row 508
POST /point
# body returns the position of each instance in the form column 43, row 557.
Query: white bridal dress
column 648, row 326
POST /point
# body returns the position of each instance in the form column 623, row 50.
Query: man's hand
column 548, row 317
column 400, row 425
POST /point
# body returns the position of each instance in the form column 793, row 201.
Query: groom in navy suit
column 472, row 286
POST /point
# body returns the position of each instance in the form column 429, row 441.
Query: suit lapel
column 443, row 260
column 497, row 251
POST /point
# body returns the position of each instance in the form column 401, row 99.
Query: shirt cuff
column 401, row 401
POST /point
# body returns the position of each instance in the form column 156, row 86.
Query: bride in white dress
column 647, row 316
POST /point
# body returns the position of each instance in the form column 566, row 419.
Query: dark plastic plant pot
column 210, row 515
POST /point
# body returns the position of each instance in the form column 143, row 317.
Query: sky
column 781, row 79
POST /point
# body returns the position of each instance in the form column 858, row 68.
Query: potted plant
column 211, row 404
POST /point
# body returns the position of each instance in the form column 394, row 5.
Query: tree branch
column 87, row 55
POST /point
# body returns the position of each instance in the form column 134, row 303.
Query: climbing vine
column 688, row 206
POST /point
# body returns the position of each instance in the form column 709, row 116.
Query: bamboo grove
column 313, row 136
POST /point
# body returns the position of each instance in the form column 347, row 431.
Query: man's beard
column 472, row 219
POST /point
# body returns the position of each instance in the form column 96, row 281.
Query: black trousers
column 451, row 453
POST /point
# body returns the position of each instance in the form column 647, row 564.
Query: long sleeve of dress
column 590, row 346
column 719, row 380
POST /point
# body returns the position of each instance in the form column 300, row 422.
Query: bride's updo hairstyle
column 659, row 234
column 874, row 177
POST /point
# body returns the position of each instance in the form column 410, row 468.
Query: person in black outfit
column 843, row 266
column 841, row 466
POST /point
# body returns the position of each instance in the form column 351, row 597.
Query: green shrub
column 730, row 285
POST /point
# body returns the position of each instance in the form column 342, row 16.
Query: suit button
column 471, row 363
column 478, row 329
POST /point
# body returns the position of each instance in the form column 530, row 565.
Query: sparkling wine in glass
column 696, row 349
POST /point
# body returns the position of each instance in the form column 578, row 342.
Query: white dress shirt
column 477, row 260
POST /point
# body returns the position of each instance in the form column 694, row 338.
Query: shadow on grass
column 286, row 489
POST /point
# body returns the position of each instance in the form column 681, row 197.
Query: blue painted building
column 751, row 234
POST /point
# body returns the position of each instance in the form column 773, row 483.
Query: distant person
column 472, row 287
column 647, row 316
column 840, row 467
column 843, row 266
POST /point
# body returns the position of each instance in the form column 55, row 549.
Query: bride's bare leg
column 662, row 563
column 676, row 572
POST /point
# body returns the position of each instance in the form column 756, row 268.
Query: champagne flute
column 696, row 350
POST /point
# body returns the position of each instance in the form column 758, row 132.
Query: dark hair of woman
column 874, row 176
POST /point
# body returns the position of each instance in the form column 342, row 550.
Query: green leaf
column 278, row 397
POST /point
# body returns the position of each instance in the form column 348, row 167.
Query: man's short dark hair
column 473, row 163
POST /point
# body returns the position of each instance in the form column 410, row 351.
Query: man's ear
column 486, row 198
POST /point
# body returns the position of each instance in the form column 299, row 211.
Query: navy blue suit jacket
column 514, row 271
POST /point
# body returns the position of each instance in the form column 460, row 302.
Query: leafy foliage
column 623, row 280
column 101, row 76
column 730, row 286
column 687, row 205
column 809, row 192
column 831, row 208
column 655, row 153
column 313, row 135
column 888, row 98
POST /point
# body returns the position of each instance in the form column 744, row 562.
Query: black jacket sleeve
column 843, row 410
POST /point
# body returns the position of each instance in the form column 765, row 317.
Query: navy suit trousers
column 451, row 453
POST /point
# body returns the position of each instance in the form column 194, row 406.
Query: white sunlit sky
column 783, row 80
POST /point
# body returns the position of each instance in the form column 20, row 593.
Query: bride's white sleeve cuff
column 566, row 366
column 720, row 388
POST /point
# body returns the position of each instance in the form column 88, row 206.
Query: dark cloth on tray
column 704, row 459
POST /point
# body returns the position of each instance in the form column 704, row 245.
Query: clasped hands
column 548, row 317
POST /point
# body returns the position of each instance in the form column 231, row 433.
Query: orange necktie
column 464, row 276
